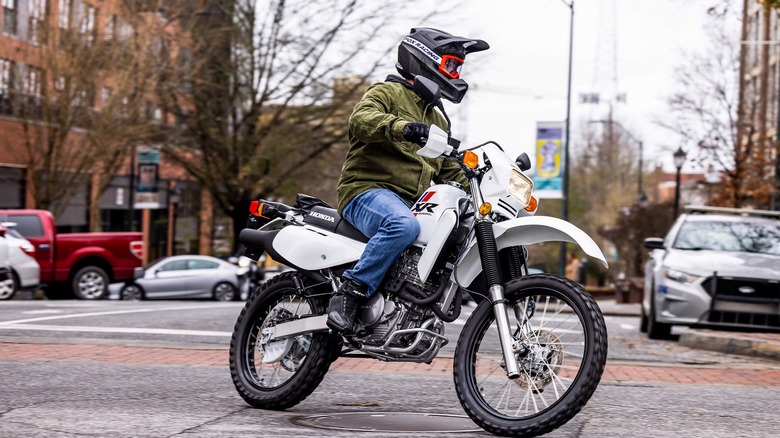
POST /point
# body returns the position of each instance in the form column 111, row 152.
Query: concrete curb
column 731, row 343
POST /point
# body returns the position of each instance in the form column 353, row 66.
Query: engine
column 401, row 325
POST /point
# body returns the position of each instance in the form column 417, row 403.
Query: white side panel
column 527, row 231
column 313, row 248
column 447, row 222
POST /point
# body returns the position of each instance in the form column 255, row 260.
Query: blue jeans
column 387, row 220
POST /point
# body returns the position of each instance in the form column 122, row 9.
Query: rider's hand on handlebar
column 416, row 132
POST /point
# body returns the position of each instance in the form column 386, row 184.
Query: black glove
column 416, row 132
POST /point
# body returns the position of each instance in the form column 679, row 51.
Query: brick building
column 181, row 218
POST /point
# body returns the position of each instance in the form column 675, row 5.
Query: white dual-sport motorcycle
column 530, row 355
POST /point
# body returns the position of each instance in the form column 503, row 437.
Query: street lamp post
column 679, row 160
column 565, row 188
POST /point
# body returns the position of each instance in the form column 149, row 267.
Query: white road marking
column 40, row 312
column 627, row 327
column 113, row 312
column 126, row 330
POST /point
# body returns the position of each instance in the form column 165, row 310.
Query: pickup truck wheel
column 225, row 292
column 90, row 283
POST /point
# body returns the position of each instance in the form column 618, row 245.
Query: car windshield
column 743, row 236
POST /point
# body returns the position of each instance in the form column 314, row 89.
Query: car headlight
column 520, row 187
column 679, row 276
column 244, row 261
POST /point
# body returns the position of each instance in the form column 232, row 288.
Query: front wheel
column 278, row 373
column 561, row 350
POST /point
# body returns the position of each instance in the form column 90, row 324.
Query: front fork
column 491, row 266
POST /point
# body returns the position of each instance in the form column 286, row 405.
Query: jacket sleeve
column 451, row 171
column 371, row 120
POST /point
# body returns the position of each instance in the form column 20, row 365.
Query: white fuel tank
column 432, row 205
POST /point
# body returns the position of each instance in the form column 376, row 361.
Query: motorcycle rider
column 382, row 175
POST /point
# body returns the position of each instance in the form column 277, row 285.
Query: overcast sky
column 522, row 78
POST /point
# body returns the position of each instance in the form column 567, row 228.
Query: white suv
column 7, row 289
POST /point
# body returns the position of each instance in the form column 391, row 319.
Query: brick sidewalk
column 183, row 357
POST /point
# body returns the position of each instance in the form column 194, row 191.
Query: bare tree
column 259, row 107
column 705, row 113
column 77, row 102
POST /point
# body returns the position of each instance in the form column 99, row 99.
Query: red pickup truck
column 79, row 263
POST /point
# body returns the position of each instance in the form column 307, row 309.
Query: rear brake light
column 28, row 249
column 137, row 249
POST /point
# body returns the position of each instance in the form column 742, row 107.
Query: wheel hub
column 542, row 361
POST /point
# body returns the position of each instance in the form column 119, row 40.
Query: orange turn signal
column 256, row 208
column 470, row 159
column 485, row 209
column 532, row 204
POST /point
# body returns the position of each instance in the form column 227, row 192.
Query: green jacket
column 378, row 155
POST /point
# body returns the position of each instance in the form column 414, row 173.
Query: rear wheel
column 132, row 292
column 225, row 292
column 90, row 283
column 278, row 373
column 562, row 349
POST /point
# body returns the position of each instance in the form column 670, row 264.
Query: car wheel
column 225, row 292
column 8, row 288
column 90, row 283
column 132, row 292
column 655, row 329
column 642, row 320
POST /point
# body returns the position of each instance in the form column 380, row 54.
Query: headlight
column 520, row 186
column 679, row 276
column 244, row 261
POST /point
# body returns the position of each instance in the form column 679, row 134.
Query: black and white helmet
column 438, row 56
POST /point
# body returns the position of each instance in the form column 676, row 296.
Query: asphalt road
column 71, row 368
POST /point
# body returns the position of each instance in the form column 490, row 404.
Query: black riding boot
column 343, row 306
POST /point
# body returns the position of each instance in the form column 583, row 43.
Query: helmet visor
column 451, row 66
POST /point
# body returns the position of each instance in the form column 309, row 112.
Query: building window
column 110, row 28
column 36, row 26
column 32, row 81
column 105, row 96
column 10, row 11
column 88, row 24
column 64, row 14
column 6, row 77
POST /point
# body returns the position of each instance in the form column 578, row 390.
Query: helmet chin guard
column 438, row 56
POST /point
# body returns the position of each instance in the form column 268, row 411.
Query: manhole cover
column 402, row 422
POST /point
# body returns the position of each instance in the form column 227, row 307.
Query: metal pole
column 131, row 201
column 773, row 199
column 639, row 182
column 565, row 206
column 677, row 193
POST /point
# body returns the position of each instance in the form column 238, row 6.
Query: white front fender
column 527, row 231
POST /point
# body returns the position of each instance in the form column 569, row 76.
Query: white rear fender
column 527, row 231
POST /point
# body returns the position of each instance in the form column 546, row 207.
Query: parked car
column 25, row 273
column 6, row 281
column 715, row 267
column 82, row 264
column 185, row 276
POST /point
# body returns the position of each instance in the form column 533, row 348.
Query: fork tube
column 488, row 252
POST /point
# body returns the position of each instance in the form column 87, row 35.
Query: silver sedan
column 185, row 276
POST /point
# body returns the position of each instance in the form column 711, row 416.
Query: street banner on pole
column 548, row 175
